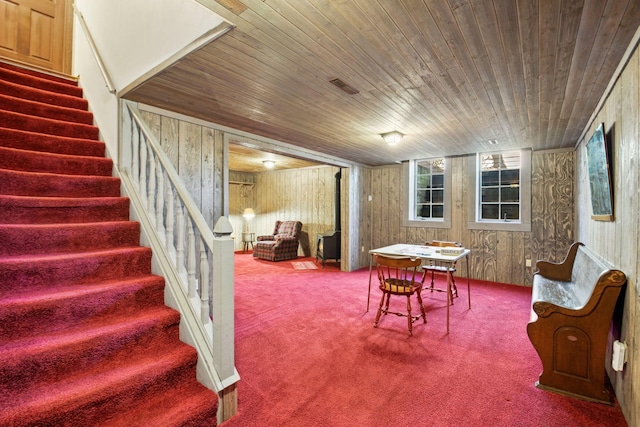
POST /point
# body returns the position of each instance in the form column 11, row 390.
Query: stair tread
column 38, row 141
column 27, row 161
column 43, row 109
column 74, row 392
column 26, row 122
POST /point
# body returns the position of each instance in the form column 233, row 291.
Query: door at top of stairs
column 37, row 32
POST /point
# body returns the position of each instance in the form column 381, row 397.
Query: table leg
column 449, row 297
column 369, row 293
column 468, row 283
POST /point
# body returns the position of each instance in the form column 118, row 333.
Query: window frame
column 524, row 223
column 409, row 196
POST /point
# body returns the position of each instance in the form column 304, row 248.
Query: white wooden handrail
column 197, row 265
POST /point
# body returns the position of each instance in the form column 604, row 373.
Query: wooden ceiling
column 450, row 75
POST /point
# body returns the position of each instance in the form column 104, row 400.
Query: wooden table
column 430, row 253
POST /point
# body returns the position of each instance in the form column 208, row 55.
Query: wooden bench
column 572, row 306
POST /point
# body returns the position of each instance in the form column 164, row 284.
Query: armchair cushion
column 281, row 244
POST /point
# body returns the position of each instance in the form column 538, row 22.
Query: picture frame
column 600, row 183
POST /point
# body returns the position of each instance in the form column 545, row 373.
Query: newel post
column 223, row 300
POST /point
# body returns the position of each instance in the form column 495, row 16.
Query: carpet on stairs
column 86, row 337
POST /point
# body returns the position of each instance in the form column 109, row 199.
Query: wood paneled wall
column 495, row 255
column 305, row 195
column 196, row 152
column 617, row 241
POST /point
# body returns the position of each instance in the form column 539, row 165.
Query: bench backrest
column 585, row 274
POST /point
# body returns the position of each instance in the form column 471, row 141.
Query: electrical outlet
column 527, row 262
column 362, row 250
column 370, row 197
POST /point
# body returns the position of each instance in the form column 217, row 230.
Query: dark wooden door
column 37, row 32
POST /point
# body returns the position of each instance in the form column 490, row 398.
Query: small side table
column 247, row 239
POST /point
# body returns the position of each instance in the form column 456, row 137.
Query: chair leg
column 410, row 319
column 375, row 325
column 424, row 315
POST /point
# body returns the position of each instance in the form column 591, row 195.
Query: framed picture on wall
column 599, row 166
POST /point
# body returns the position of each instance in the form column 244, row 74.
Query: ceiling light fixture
column 269, row 164
column 392, row 138
column 493, row 141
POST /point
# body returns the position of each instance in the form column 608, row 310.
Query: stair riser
column 39, row 83
column 21, row 275
column 44, row 96
column 39, row 109
column 21, row 213
column 89, row 409
column 66, row 238
column 23, row 140
column 23, row 318
column 18, row 183
column 28, row 123
column 33, row 161
column 23, row 368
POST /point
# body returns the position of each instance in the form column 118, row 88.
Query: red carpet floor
column 308, row 355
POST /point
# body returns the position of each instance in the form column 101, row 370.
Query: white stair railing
column 196, row 262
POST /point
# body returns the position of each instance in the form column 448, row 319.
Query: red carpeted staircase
column 85, row 337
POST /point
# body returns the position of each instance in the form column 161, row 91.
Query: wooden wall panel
column 305, row 195
column 498, row 256
column 617, row 241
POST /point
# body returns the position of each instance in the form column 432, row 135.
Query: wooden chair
column 397, row 276
column 434, row 268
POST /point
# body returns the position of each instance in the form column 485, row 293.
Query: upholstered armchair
column 281, row 244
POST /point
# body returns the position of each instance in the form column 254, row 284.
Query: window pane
column 510, row 194
column 437, row 181
column 438, row 211
column 490, row 195
column 423, row 196
column 438, row 196
column 510, row 177
column 490, row 178
column 512, row 212
column 423, row 181
column 423, row 211
column 490, row 211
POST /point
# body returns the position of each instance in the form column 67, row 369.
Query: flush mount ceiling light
column 392, row 138
column 269, row 164
column 493, row 141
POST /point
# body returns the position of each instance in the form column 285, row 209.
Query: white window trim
column 524, row 224
column 407, row 194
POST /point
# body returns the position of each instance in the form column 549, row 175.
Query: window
column 502, row 196
column 499, row 186
column 428, row 198
column 429, row 189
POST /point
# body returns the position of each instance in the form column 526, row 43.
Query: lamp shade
column 248, row 213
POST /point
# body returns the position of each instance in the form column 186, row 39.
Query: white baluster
column 160, row 203
column 204, row 287
column 151, row 191
column 181, row 243
column 143, row 174
column 170, row 221
column 135, row 153
column 191, row 260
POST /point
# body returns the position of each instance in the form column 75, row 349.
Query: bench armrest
column 559, row 271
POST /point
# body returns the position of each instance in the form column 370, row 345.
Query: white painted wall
column 133, row 37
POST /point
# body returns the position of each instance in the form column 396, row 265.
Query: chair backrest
column 288, row 228
column 395, row 268
column 444, row 244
